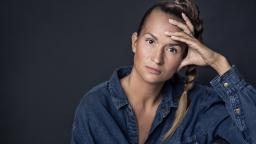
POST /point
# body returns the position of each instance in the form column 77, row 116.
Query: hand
column 198, row 53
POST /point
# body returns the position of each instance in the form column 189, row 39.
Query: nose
column 157, row 56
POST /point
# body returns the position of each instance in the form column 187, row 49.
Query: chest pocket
column 195, row 139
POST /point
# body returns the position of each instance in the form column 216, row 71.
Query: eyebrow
column 152, row 36
column 169, row 44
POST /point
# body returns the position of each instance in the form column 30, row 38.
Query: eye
column 150, row 41
column 172, row 50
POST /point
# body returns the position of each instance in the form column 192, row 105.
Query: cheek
column 142, row 52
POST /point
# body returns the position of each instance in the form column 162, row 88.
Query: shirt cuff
column 229, row 82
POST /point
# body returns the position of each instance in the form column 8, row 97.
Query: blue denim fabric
column 222, row 113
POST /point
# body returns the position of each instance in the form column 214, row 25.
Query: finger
column 182, row 37
column 180, row 25
column 188, row 41
column 179, row 34
column 188, row 22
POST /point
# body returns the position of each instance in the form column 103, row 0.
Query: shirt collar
column 170, row 91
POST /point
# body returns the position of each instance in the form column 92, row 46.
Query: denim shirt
column 222, row 113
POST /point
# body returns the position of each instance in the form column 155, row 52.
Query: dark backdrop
column 53, row 51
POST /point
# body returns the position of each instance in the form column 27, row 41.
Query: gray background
column 52, row 52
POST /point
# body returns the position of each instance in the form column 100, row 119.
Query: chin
column 154, row 79
column 151, row 77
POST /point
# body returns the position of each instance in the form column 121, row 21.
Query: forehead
column 157, row 23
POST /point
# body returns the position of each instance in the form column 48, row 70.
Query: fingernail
column 171, row 20
column 183, row 14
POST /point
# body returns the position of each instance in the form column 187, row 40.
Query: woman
column 149, row 102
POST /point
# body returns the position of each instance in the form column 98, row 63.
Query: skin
column 198, row 53
column 159, row 46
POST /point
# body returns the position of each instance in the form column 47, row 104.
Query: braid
column 190, row 8
column 183, row 101
column 176, row 8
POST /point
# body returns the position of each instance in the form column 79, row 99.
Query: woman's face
column 156, row 56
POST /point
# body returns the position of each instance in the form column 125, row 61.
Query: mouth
column 153, row 70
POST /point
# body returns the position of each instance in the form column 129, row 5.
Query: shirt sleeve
column 240, row 101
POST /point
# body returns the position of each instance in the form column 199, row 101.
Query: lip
column 153, row 70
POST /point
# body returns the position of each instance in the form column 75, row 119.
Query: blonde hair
column 190, row 8
column 183, row 101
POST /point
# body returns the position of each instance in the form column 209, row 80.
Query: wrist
column 221, row 64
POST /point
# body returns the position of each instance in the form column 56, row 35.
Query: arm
column 240, row 100
column 238, row 95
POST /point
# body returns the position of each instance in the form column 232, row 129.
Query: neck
column 140, row 92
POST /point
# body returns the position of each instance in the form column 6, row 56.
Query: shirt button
column 237, row 111
column 226, row 85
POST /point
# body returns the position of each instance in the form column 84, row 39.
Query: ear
column 134, row 41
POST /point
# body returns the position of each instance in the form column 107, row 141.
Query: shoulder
column 208, row 102
column 205, row 94
column 211, row 105
column 94, row 100
column 96, row 94
column 208, row 107
column 200, row 95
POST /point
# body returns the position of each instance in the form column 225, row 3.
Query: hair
column 175, row 9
